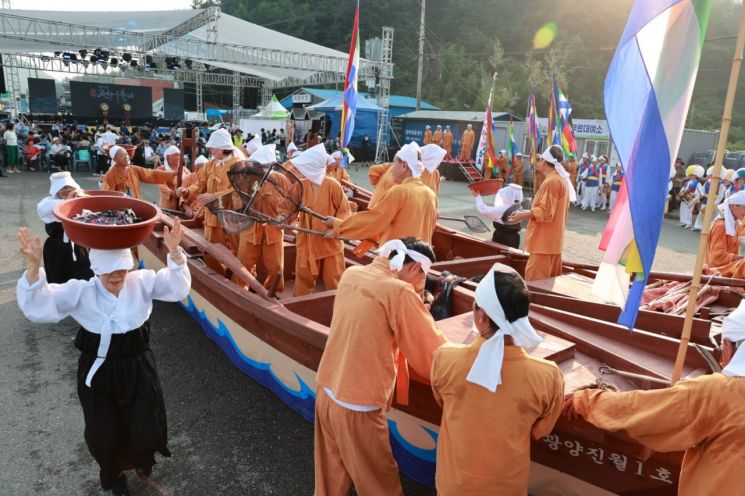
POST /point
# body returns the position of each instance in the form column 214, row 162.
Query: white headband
column 733, row 330
column 108, row 261
column 486, row 370
column 397, row 262
column 312, row 163
column 114, row 150
column 409, row 154
column 562, row 172
column 253, row 145
column 264, row 155
column 171, row 150
column 432, row 156
column 729, row 218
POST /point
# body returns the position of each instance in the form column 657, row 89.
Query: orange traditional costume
column 447, row 141
column 381, row 177
column 318, row 258
column 723, row 255
column 545, row 235
column 495, row 398
column 437, row 136
column 432, row 156
column 518, row 170
column 127, row 178
column 379, row 325
column 427, row 136
column 168, row 198
column 466, row 143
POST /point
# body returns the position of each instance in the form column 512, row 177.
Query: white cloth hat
column 59, row 180
column 562, row 172
column 337, row 155
column 114, row 150
column 397, row 262
column 730, row 175
column 171, row 150
column 108, row 261
column 710, row 171
column 253, row 145
column 432, row 156
column 486, row 370
column 292, row 150
column 409, row 154
column 220, row 140
column 503, row 152
column 729, row 218
column 312, row 163
column 699, row 172
column 201, row 160
column 264, row 155
column 733, row 330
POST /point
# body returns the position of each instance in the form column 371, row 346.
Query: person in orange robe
column 379, row 328
column 318, row 258
column 265, row 242
column 427, row 135
column 466, row 143
column 572, row 168
column 701, row 416
column 503, row 166
column 336, row 171
column 723, row 256
column 381, row 177
column 407, row 209
column 189, row 181
column 547, row 217
column 212, row 182
column 495, row 397
column 447, row 141
column 126, row 178
column 171, row 158
column 432, row 156
column 437, row 136
column 518, row 170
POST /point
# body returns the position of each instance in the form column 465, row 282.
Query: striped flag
column 513, row 149
column 534, row 131
column 349, row 106
column 564, row 129
column 552, row 131
column 647, row 93
column 486, row 151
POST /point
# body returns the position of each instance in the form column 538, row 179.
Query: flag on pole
column 551, row 129
column 486, row 151
column 349, row 105
column 647, row 93
column 534, row 131
column 564, row 129
column 513, row 149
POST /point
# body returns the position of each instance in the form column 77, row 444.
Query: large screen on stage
column 42, row 96
column 88, row 97
column 173, row 104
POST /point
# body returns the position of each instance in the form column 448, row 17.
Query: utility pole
column 421, row 58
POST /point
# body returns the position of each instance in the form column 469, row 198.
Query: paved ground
column 228, row 435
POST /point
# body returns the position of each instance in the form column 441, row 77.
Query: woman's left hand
column 520, row 216
column 172, row 237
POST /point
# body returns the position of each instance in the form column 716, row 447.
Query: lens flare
column 545, row 36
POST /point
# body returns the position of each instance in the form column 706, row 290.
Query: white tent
column 273, row 110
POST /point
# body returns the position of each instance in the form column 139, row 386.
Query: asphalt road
column 228, row 435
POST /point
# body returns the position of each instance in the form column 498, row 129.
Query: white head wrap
column 336, row 155
column 505, row 198
column 729, row 218
column 292, row 150
column 59, row 180
column 108, row 261
column 730, row 175
column 503, row 152
column 397, row 262
column 201, row 160
column 562, row 172
column 221, row 140
column 114, row 150
column 432, row 155
column 486, row 370
column 265, row 154
column 710, row 171
column 253, row 145
column 312, row 163
column 409, row 154
column 733, row 330
column 171, row 150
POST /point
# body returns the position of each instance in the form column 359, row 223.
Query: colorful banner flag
column 486, row 151
column 647, row 93
column 534, row 131
column 564, row 130
column 512, row 145
column 349, row 106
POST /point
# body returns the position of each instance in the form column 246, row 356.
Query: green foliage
column 468, row 40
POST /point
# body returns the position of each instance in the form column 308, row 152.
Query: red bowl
column 129, row 148
column 487, row 186
column 100, row 192
column 107, row 237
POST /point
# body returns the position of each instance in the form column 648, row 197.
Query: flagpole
column 710, row 207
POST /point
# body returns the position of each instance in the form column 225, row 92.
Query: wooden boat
column 279, row 343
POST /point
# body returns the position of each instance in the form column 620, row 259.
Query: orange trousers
column 272, row 255
column 329, row 270
column 352, row 448
column 465, row 152
column 542, row 266
column 217, row 235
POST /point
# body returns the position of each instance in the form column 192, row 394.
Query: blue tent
column 365, row 122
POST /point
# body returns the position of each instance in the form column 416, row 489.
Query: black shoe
column 120, row 486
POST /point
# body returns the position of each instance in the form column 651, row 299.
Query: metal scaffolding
column 384, row 93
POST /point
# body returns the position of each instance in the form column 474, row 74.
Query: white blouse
column 98, row 310
column 45, row 209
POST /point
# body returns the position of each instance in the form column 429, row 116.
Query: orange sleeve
column 376, row 172
column 545, row 204
column 340, row 202
column 433, row 378
column 545, row 424
column 153, row 176
column 718, row 254
column 370, row 223
column 200, row 184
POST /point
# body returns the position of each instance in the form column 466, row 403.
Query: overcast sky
column 128, row 5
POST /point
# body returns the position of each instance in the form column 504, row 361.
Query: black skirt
column 58, row 261
column 125, row 415
column 508, row 235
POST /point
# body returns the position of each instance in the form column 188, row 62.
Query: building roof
column 457, row 115
column 393, row 100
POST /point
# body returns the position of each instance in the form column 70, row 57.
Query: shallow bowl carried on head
column 486, row 187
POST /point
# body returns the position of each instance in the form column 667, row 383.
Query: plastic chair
column 82, row 155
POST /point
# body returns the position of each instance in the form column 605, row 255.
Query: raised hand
column 30, row 247
column 172, row 237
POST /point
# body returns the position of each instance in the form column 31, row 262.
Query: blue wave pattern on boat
column 415, row 462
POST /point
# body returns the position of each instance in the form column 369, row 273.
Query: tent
column 365, row 122
column 273, row 110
